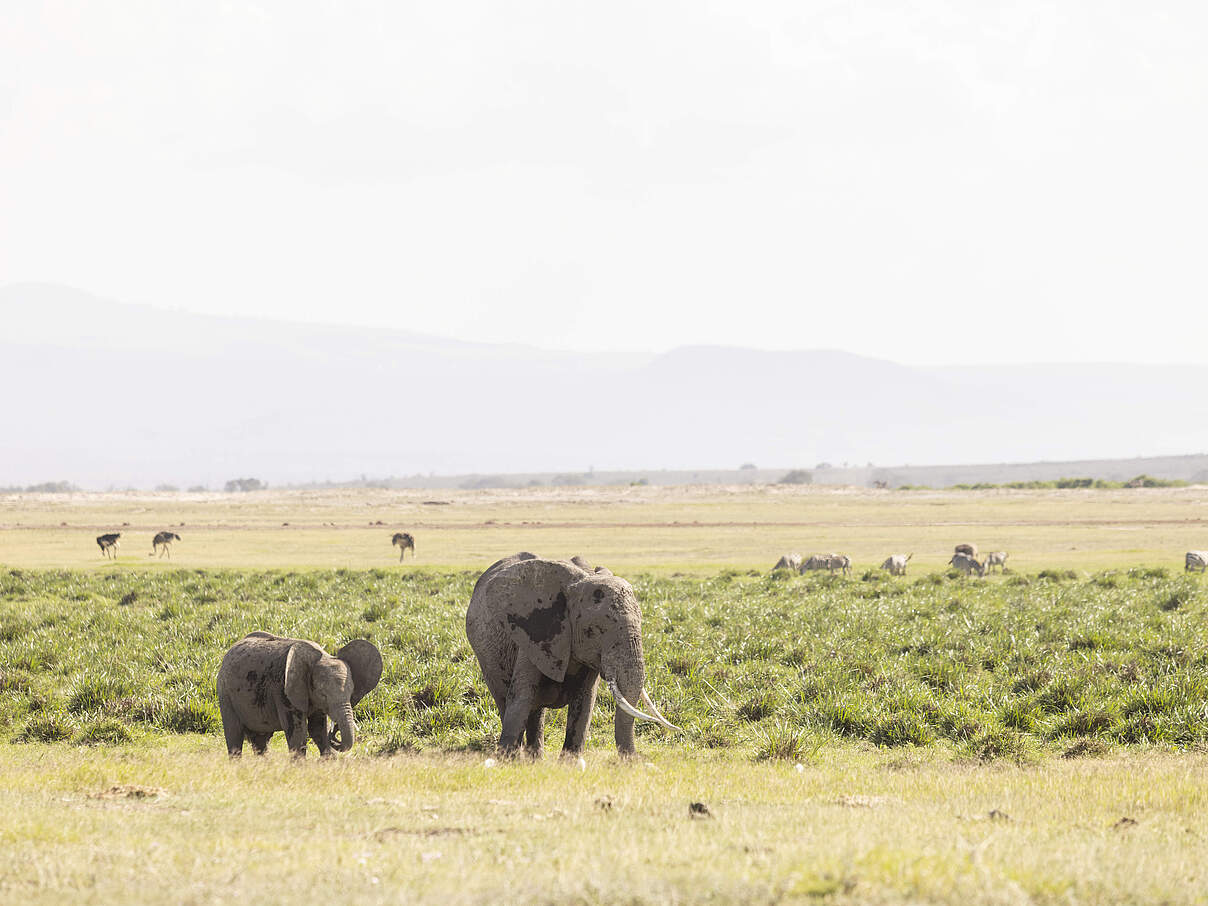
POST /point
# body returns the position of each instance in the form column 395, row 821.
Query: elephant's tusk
column 629, row 709
column 657, row 714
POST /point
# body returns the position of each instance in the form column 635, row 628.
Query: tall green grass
column 769, row 666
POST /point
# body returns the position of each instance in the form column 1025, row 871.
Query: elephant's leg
column 578, row 715
column 534, row 731
column 259, row 741
column 316, row 727
column 521, row 698
column 294, row 722
column 232, row 728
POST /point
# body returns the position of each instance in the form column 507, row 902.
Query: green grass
column 762, row 665
column 924, row 739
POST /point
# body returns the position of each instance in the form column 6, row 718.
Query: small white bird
column 489, row 763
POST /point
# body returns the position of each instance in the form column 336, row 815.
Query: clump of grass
column 105, row 731
column 785, row 742
column 44, row 728
column 903, row 729
column 191, row 716
column 760, row 705
column 997, row 743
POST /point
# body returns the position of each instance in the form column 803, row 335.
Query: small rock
column 699, row 810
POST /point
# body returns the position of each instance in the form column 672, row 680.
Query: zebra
column 829, row 562
column 164, row 540
column 1196, row 560
column 996, row 558
column 967, row 564
column 788, row 561
column 108, row 544
column 403, row 541
column 896, row 564
column 970, row 549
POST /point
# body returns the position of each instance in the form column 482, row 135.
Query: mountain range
column 107, row 394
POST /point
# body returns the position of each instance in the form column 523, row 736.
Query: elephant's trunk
column 346, row 726
column 626, row 681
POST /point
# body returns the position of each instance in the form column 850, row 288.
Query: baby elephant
column 267, row 683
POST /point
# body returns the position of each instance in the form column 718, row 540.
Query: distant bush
column 483, row 482
column 198, row 489
column 568, row 481
column 796, row 476
column 747, row 465
column 167, row 488
column 244, row 485
column 1148, row 481
column 46, row 487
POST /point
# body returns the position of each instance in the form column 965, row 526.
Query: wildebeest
column 164, row 540
column 970, row 549
column 108, row 544
column 1196, row 560
column 896, row 564
column 404, row 542
column 967, row 564
column 829, row 562
column 789, row 561
column 996, row 558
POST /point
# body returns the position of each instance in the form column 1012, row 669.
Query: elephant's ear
column 535, row 612
column 365, row 663
column 301, row 658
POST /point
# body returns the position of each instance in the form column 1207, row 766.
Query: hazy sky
column 929, row 182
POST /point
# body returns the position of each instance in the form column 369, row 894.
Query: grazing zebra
column 404, row 542
column 108, row 544
column 967, row 564
column 829, row 562
column 1196, row 560
column 970, row 549
column 996, row 558
column 896, row 564
column 164, row 540
column 788, row 561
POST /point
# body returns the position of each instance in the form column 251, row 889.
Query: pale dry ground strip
column 178, row 823
column 694, row 528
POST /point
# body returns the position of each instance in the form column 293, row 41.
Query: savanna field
column 1035, row 737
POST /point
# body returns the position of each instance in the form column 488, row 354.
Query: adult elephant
column 268, row 683
column 545, row 632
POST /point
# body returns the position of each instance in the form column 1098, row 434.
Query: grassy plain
column 1035, row 738
column 642, row 528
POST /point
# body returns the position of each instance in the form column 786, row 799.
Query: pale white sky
column 930, row 182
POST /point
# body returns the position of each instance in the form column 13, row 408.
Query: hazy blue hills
column 107, row 394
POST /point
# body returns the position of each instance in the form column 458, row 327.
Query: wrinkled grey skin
column 545, row 631
column 267, row 683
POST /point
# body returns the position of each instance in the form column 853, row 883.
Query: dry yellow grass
column 177, row 823
column 700, row 528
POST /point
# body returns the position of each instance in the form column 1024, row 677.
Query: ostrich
column 108, row 544
column 403, row 541
column 164, row 540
